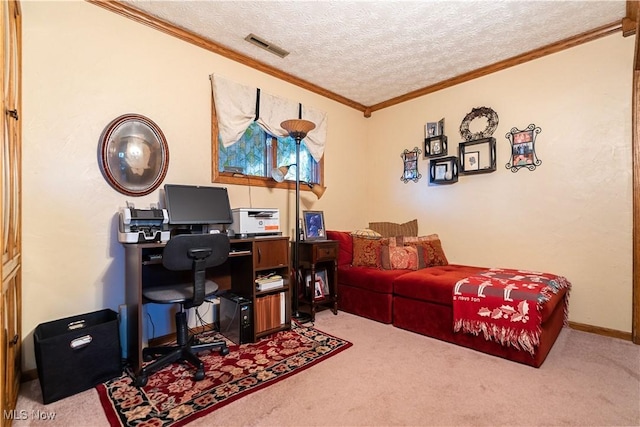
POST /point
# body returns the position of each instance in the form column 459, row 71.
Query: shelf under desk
column 247, row 258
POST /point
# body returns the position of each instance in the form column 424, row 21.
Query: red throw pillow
column 366, row 252
column 432, row 252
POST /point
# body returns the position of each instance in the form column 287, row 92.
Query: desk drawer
column 325, row 251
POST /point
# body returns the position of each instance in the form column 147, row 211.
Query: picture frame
column 471, row 160
column 477, row 156
column 313, row 224
column 318, row 291
column 523, row 151
column 410, row 165
column 134, row 155
column 443, row 170
column 431, row 129
column 321, row 276
column 441, row 126
column 436, row 146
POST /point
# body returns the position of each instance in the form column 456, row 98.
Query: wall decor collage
column 476, row 153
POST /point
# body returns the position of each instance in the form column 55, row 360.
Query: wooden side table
column 319, row 264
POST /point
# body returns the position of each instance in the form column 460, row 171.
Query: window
column 256, row 154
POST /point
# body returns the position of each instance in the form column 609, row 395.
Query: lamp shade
column 278, row 174
column 318, row 190
column 298, row 128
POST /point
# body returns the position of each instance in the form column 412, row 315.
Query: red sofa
column 421, row 301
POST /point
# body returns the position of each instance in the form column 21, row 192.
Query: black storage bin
column 77, row 353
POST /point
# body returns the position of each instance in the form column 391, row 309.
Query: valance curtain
column 236, row 110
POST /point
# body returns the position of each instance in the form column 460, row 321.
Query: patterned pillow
column 366, row 233
column 412, row 239
column 391, row 229
column 432, row 252
column 401, row 257
column 366, row 252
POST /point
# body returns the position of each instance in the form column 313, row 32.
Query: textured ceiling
column 373, row 51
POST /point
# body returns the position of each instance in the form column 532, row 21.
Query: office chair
column 195, row 252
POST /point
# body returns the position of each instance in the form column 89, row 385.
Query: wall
column 571, row 216
column 83, row 67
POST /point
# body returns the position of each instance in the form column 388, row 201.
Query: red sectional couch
column 421, row 301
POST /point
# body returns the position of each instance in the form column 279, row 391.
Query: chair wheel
column 224, row 351
column 141, row 381
column 199, row 376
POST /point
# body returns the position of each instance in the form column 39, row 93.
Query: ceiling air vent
column 253, row 39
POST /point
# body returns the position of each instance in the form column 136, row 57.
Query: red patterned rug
column 172, row 398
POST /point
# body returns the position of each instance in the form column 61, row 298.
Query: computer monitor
column 196, row 206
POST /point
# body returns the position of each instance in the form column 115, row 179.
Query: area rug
column 172, row 398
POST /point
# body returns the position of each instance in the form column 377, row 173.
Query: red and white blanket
column 506, row 305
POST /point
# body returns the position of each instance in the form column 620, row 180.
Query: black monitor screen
column 195, row 205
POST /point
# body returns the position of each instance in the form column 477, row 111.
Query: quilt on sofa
column 505, row 305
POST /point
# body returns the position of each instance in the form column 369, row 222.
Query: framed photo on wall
column 431, row 129
column 410, row 165
column 313, row 224
column 435, row 146
column 443, row 170
column 523, row 150
column 477, row 156
column 471, row 160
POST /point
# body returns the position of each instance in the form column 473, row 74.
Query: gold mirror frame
column 134, row 155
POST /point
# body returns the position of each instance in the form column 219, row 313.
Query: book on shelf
column 272, row 281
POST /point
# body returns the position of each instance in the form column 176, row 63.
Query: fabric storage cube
column 76, row 353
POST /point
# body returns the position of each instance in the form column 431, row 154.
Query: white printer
column 252, row 222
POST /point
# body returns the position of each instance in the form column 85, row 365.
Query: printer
column 253, row 222
column 143, row 225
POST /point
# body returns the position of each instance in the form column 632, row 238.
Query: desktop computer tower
column 236, row 318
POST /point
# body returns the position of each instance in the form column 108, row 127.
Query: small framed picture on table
column 313, row 223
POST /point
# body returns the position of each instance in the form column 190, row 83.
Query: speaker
column 236, row 318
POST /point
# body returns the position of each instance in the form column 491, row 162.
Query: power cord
column 153, row 327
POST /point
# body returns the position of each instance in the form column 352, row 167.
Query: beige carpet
column 392, row 377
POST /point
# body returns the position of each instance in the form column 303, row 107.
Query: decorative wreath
column 492, row 123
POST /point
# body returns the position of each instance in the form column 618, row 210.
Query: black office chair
column 195, row 252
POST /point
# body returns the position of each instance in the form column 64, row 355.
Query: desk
column 248, row 259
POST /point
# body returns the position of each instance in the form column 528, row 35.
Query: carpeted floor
column 391, row 377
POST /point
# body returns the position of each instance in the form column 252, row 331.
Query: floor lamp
column 297, row 129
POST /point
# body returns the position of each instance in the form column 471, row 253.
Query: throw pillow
column 366, row 252
column 366, row 233
column 413, row 239
column 432, row 252
column 391, row 229
column 401, row 257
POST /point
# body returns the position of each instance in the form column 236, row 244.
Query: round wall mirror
column 134, row 155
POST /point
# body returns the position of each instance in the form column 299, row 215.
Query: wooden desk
column 248, row 258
